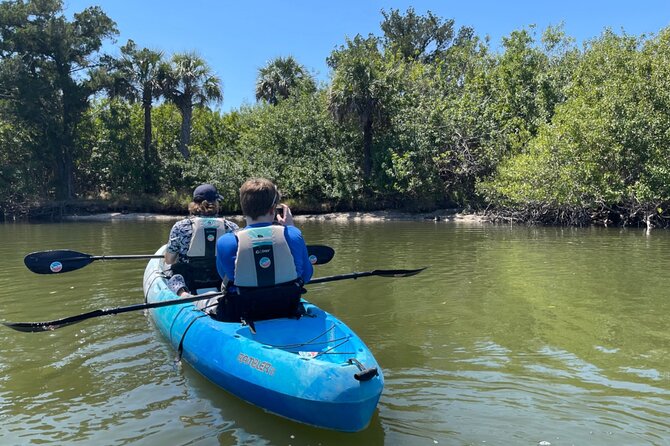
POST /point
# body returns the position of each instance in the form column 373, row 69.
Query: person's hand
column 287, row 218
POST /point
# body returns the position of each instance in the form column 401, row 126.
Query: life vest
column 199, row 266
column 266, row 284
column 263, row 257
column 206, row 231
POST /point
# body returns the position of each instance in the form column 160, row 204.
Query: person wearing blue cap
column 191, row 249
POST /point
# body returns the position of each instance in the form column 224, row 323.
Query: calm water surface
column 513, row 336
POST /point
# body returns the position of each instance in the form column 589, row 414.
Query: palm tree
column 359, row 89
column 137, row 79
column 280, row 77
column 188, row 82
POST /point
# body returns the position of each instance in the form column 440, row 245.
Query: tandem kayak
column 314, row 370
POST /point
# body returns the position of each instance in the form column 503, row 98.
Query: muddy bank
column 376, row 216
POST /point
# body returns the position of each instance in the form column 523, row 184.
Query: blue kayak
column 313, row 370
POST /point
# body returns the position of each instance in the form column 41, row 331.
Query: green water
column 512, row 336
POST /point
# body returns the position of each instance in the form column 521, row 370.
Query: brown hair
column 204, row 208
column 257, row 197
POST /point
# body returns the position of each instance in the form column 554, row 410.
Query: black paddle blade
column 397, row 272
column 320, row 254
column 377, row 272
column 56, row 261
column 35, row 327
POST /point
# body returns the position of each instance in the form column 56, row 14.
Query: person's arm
column 299, row 252
column 171, row 251
column 226, row 253
column 286, row 218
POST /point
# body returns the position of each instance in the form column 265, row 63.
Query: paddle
column 32, row 327
column 65, row 260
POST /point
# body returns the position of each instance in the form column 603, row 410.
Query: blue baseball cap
column 206, row 192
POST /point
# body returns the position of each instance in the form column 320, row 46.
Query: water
column 512, row 336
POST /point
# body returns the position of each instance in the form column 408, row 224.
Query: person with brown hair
column 263, row 265
column 191, row 249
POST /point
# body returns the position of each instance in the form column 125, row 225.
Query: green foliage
column 441, row 126
column 297, row 144
column 361, row 90
column 135, row 77
column 18, row 169
column 420, row 38
column 281, row 78
column 187, row 81
column 42, row 55
column 425, row 116
column 606, row 147
column 112, row 142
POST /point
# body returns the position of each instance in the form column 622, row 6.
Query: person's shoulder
column 182, row 223
column 293, row 232
column 227, row 238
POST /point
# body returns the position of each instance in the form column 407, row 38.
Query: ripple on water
column 477, row 405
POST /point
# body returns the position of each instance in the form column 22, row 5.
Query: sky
column 237, row 38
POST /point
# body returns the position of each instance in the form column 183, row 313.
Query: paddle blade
column 35, row 327
column 320, row 254
column 31, row 327
column 397, row 272
column 56, row 261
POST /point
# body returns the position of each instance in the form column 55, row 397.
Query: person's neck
column 267, row 218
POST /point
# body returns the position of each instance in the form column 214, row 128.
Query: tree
column 43, row 56
column 280, row 78
column 604, row 154
column 187, row 82
column 420, row 38
column 135, row 77
column 360, row 89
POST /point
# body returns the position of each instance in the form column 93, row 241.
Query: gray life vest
column 263, row 257
column 206, row 231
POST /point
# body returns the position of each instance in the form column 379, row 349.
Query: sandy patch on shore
column 376, row 216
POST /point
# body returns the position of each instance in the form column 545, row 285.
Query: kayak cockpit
column 314, row 335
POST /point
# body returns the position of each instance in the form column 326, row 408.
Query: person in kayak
column 191, row 249
column 264, row 265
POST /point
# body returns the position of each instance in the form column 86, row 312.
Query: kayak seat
column 198, row 273
column 261, row 303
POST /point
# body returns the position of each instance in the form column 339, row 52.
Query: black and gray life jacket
column 266, row 283
column 199, row 266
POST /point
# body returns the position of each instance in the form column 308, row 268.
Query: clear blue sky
column 238, row 37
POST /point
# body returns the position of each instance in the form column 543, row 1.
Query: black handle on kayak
column 364, row 374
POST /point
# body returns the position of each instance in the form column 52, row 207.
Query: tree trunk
column 150, row 158
column 63, row 175
column 65, row 142
column 185, row 137
column 367, row 148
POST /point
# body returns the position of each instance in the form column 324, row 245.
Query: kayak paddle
column 32, row 327
column 65, row 260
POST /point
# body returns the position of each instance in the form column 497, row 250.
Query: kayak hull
column 302, row 369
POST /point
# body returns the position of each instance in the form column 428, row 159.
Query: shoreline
column 446, row 215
